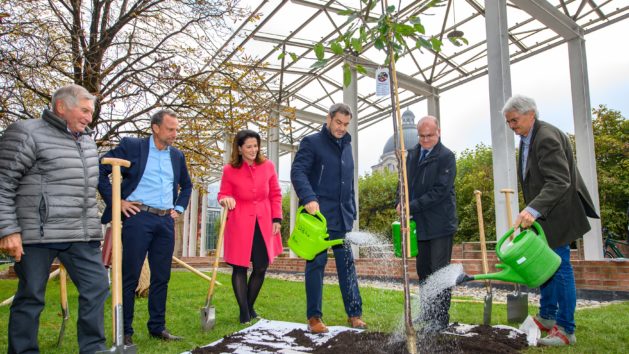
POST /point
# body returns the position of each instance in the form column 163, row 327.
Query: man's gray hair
column 158, row 117
column 520, row 104
column 340, row 108
column 70, row 95
column 428, row 119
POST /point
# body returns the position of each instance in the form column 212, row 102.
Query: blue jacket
column 137, row 151
column 323, row 170
column 431, row 192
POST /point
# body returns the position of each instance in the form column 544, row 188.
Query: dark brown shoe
column 316, row 326
column 165, row 335
column 357, row 322
column 128, row 339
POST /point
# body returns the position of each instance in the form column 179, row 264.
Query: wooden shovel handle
column 481, row 230
column 63, row 288
column 507, row 192
column 116, row 245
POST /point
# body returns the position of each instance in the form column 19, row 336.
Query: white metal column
column 502, row 138
column 433, row 105
column 350, row 97
column 273, row 140
column 203, row 242
column 194, row 222
column 294, row 203
column 584, row 136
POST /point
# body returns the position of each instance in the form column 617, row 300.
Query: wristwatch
column 179, row 212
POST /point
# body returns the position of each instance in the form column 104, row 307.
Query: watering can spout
column 507, row 274
column 463, row 278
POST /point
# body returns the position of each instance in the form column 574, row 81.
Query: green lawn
column 601, row 330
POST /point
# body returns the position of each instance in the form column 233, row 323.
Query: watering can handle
column 537, row 228
column 317, row 214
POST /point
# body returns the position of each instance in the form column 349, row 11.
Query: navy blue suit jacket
column 323, row 170
column 136, row 151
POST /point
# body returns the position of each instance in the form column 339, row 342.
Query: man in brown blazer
column 556, row 197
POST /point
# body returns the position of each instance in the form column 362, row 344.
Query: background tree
column 474, row 171
column 378, row 198
column 135, row 56
column 611, row 143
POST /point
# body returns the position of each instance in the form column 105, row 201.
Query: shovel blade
column 62, row 331
column 120, row 349
column 208, row 317
column 487, row 310
column 517, row 307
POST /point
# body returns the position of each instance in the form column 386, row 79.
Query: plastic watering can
column 526, row 260
column 309, row 237
column 397, row 240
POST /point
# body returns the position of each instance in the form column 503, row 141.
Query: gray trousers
column 85, row 268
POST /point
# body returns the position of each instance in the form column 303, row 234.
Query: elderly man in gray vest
column 48, row 179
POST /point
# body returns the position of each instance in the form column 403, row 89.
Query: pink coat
column 257, row 193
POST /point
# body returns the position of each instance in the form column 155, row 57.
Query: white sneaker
column 557, row 337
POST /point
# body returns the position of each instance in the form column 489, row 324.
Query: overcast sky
column 545, row 77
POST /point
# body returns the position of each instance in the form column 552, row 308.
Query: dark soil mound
column 486, row 340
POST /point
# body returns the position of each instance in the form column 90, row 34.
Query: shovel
column 483, row 249
column 208, row 312
column 63, row 290
column 116, row 260
column 518, row 303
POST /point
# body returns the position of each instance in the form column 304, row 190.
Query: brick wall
column 607, row 275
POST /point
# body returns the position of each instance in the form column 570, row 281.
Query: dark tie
column 423, row 154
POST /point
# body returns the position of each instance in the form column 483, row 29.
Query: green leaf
column 281, row 56
column 346, row 12
column 361, row 69
column 319, row 51
column 374, row 3
column 414, row 20
column 436, row 43
column 319, row 64
column 363, row 34
column 336, row 48
column 419, row 28
column 379, row 44
column 293, row 56
column 422, row 42
column 357, row 45
column 390, row 9
column 347, row 75
column 405, row 30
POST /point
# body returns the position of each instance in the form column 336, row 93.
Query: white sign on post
column 383, row 83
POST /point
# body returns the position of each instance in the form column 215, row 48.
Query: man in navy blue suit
column 155, row 191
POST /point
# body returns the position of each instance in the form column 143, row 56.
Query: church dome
column 410, row 134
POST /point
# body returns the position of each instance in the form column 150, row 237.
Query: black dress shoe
column 128, row 339
column 165, row 335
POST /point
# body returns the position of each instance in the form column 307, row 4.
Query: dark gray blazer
column 553, row 186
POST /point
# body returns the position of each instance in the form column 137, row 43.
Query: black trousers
column 433, row 255
column 84, row 265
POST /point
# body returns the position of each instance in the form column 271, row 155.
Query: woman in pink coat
column 251, row 193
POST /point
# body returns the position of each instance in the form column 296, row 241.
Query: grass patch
column 599, row 330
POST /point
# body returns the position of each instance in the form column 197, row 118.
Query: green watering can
column 309, row 237
column 397, row 239
column 526, row 260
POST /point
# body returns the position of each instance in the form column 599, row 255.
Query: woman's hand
column 277, row 227
column 228, row 202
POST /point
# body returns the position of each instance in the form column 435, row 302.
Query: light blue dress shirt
column 526, row 142
column 156, row 185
